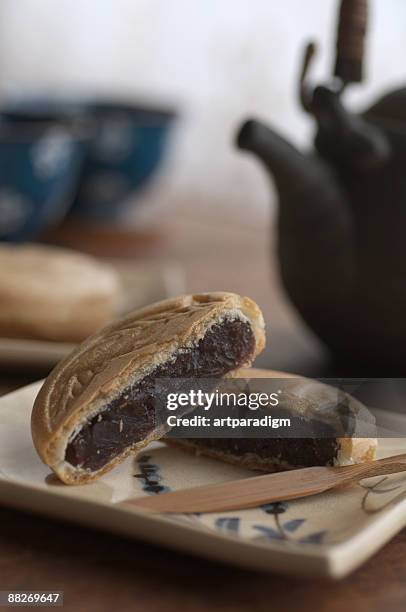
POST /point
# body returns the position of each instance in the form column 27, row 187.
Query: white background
column 218, row 60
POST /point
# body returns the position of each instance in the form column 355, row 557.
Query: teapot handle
column 351, row 32
column 305, row 92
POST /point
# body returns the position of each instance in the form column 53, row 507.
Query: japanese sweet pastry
column 55, row 294
column 97, row 406
column 347, row 428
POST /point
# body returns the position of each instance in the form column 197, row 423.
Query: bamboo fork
column 252, row 492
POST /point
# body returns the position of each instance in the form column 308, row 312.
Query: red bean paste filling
column 131, row 417
column 298, row 452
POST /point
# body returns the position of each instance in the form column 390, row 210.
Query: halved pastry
column 330, row 427
column 97, row 406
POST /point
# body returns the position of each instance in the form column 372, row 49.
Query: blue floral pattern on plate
column 282, row 522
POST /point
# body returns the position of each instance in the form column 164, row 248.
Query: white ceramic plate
column 142, row 284
column 325, row 535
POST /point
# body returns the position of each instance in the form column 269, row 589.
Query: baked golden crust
column 350, row 449
column 122, row 353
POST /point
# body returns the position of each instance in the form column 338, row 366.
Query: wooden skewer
column 258, row 490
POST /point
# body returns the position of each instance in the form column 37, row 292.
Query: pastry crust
column 350, row 449
column 54, row 294
column 121, row 354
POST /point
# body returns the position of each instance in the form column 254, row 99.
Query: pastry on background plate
column 51, row 293
column 314, row 405
column 97, row 406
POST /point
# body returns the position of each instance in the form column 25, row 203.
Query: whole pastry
column 97, row 406
column 55, row 294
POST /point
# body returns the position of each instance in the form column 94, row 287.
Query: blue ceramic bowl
column 119, row 148
column 127, row 148
column 40, row 165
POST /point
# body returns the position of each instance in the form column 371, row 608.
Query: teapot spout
column 308, row 188
column 315, row 227
column 289, row 168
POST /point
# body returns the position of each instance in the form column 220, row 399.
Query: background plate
column 326, row 535
column 142, row 284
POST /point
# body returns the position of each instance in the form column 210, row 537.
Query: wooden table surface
column 101, row 572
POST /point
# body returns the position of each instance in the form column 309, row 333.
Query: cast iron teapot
column 342, row 211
